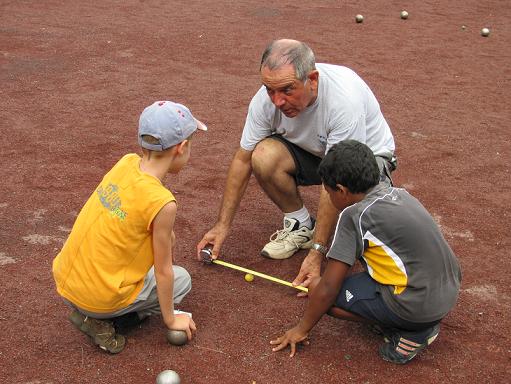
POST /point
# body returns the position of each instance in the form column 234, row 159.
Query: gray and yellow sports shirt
column 402, row 248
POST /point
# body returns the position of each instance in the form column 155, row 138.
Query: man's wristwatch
column 320, row 248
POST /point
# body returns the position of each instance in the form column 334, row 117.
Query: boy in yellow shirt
column 116, row 268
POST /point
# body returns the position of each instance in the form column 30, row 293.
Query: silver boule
column 485, row 32
column 168, row 377
column 177, row 337
column 359, row 18
column 404, row 15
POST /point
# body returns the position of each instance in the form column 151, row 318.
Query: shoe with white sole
column 285, row 242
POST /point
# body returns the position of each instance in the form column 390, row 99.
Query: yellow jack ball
column 249, row 277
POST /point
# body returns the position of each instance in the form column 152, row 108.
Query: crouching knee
column 182, row 283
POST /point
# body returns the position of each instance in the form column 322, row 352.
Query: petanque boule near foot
column 177, row 337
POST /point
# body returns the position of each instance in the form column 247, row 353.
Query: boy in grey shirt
column 411, row 277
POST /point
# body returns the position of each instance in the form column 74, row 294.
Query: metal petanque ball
column 177, row 337
column 359, row 18
column 168, row 377
column 404, row 15
column 485, row 32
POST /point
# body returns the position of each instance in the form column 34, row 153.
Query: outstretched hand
column 292, row 337
column 215, row 237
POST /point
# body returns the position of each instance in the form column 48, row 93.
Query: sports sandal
column 101, row 332
column 285, row 242
column 401, row 350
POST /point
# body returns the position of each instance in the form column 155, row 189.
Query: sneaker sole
column 285, row 256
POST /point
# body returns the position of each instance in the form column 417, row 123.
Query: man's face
column 286, row 92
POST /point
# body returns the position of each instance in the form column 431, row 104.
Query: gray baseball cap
column 169, row 122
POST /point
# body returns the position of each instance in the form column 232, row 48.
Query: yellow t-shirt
column 103, row 263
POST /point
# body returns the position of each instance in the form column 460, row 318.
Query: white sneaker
column 285, row 242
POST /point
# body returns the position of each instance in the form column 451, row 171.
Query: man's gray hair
column 282, row 52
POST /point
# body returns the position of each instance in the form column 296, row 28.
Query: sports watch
column 320, row 248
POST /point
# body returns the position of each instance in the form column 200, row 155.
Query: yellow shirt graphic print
column 384, row 265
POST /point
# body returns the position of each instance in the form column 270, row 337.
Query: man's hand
column 292, row 337
column 216, row 237
column 310, row 270
column 182, row 322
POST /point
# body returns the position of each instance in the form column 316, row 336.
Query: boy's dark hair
column 350, row 164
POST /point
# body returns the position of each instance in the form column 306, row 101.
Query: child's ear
column 342, row 189
column 181, row 147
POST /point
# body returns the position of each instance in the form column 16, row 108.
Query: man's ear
column 313, row 77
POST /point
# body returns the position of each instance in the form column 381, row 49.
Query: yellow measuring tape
column 259, row 274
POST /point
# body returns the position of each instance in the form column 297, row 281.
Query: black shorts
column 306, row 163
column 360, row 295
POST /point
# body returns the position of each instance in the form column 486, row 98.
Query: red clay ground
column 75, row 76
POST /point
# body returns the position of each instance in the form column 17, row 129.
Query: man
column 301, row 110
column 411, row 277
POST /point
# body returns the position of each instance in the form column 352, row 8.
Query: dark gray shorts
column 307, row 164
column 360, row 295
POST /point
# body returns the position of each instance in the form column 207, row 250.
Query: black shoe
column 400, row 349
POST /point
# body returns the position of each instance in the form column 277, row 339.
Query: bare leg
column 345, row 315
column 274, row 169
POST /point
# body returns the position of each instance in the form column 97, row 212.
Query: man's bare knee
column 263, row 160
column 269, row 157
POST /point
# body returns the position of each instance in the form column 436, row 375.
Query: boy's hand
column 310, row 269
column 216, row 237
column 182, row 322
column 292, row 337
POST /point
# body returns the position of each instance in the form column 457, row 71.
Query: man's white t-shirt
column 345, row 109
